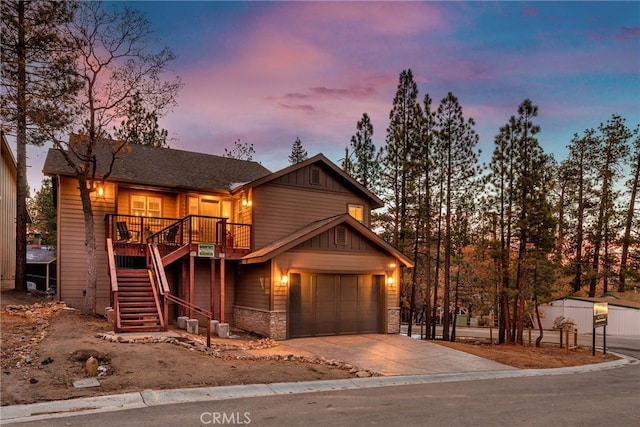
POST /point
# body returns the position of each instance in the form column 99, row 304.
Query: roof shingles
column 165, row 167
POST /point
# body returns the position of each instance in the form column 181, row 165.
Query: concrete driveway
column 386, row 354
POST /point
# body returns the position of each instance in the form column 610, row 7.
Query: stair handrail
column 154, row 286
column 113, row 278
column 160, row 288
column 163, row 290
column 192, row 307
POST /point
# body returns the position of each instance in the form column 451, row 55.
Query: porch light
column 246, row 202
column 390, row 280
column 284, row 279
column 392, row 265
column 100, row 191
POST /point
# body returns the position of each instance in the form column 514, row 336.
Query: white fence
column 621, row 320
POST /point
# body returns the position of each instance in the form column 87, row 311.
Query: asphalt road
column 607, row 397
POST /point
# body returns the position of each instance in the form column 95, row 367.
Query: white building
column 623, row 317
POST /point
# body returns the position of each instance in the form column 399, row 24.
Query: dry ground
column 44, row 347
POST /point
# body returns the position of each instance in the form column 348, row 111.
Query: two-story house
column 284, row 254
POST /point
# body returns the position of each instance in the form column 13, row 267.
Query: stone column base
column 271, row 324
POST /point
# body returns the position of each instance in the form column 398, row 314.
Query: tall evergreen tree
column 38, row 82
column 457, row 142
column 140, row 125
column 578, row 169
column 44, row 213
column 631, row 220
column 501, row 182
column 298, row 153
column 367, row 161
column 530, row 196
column 613, row 148
column 402, row 134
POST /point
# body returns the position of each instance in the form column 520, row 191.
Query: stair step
column 149, row 317
column 136, row 294
column 140, row 328
column 139, row 310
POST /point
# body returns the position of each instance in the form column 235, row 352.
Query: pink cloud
column 530, row 11
column 627, row 33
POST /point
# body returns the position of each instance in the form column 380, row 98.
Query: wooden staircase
column 138, row 306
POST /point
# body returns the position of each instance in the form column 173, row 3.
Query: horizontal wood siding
column 202, row 291
column 72, row 256
column 254, row 286
column 279, row 210
column 170, row 208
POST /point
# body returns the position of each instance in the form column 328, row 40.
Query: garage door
column 327, row 304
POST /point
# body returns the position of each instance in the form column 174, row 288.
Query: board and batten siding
column 72, row 255
column 333, row 262
column 253, row 287
column 279, row 210
column 8, row 210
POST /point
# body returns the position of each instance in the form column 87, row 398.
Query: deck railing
column 178, row 231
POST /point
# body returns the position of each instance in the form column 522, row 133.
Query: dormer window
column 356, row 211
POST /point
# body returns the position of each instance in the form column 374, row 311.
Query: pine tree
column 298, row 153
column 613, row 148
column 38, row 82
column 367, row 161
column 402, row 134
column 459, row 163
column 140, row 125
column 631, row 218
column 578, row 169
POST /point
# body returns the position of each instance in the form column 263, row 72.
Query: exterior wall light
column 390, row 280
column 284, row 279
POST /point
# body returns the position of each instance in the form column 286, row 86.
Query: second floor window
column 357, row 211
column 146, row 206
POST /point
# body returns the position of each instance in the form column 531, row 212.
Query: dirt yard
column 45, row 345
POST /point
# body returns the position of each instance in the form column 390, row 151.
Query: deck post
column 213, row 286
column 222, row 285
column 192, row 283
column 184, row 289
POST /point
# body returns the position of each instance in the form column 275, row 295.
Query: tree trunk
column 626, row 240
column 535, row 303
column 21, row 155
column 90, row 247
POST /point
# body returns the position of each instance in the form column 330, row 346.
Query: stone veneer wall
column 272, row 324
column 393, row 320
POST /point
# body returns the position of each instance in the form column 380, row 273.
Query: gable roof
column 166, row 167
column 318, row 159
column 315, row 228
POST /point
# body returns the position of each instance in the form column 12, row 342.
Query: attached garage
column 334, row 304
column 332, row 277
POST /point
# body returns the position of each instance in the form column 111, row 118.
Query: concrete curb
column 149, row 398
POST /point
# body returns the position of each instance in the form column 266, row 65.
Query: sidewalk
column 396, row 357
